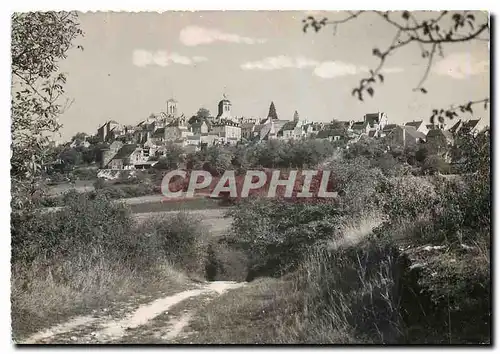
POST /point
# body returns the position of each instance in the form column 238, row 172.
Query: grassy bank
column 91, row 255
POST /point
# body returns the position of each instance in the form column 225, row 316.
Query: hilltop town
column 133, row 146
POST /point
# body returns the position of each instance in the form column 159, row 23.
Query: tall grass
column 91, row 254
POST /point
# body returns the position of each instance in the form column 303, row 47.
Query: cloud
column 461, row 66
column 331, row 69
column 279, row 62
column 142, row 58
column 325, row 70
column 194, row 35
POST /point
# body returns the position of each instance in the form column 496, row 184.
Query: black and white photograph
column 250, row 177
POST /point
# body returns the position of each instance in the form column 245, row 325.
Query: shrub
column 357, row 183
column 178, row 238
column 275, row 234
column 100, row 183
column 91, row 253
column 407, row 197
column 81, row 224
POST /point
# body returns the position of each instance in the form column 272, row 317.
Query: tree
column 174, row 155
column 79, row 136
column 430, row 33
column 335, row 124
column 71, row 157
column 272, row 112
column 203, row 113
column 39, row 41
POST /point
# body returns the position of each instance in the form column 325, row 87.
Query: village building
column 439, row 139
column 471, row 126
column 406, row 136
column 376, row 121
column 419, row 126
column 177, row 130
column 332, row 135
column 228, row 131
column 107, row 132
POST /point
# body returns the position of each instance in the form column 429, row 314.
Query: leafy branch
column 430, row 35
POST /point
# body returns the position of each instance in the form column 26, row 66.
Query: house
column 388, row 129
column 290, row 130
column 332, row 135
column 227, row 130
column 176, row 130
column 311, row 129
column 105, row 132
column 455, row 128
column 439, row 139
column 247, row 129
column 471, row 126
column 376, row 121
column 200, row 127
column 419, row 126
column 268, row 130
column 158, row 136
column 108, row 152
column 360, row 128
column 125, row 157
column 406, row 136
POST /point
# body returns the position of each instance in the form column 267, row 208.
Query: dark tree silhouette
column 430, row 34
column 203, row 113
column 272, row 112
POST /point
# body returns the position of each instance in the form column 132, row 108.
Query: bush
column 91, row 253
column 81, row 224
column 407, row 197
column 100, row 183
column 275, row 234
column 178, row 238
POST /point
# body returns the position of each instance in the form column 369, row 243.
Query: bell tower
column 224, row 109
column 172, row 108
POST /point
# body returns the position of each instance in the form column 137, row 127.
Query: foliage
column 431, row 33
column 275, row 235
column 174, row 156
column 39, row 41
column 203, row 113
column 106, row 227
column 79, row 137
column 435, row 164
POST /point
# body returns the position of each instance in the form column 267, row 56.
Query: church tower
column 172, row 108
column 224, row 109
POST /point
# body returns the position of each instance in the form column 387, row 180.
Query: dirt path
column 100, row 330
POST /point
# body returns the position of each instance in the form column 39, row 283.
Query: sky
column 132, row 63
